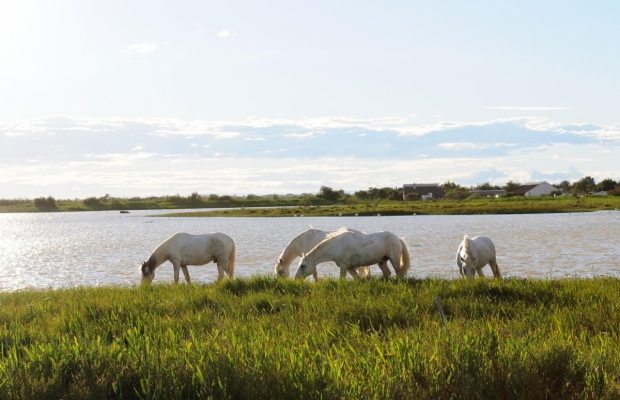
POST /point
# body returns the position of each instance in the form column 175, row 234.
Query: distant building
column 425, row 190
column 488, row 192
column 534, row 189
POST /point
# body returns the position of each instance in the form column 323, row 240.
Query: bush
column 45, row 203
column 251, row 197
column 458, row 193
column 91, row 201
column 413, row 196
column 195, row 197
column 213, row 197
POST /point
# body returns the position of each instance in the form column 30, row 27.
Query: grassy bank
column 265, row 339
column 157, row 203
column 507, row 205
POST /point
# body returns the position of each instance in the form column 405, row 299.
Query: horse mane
column 339, row 232
column 466, row 245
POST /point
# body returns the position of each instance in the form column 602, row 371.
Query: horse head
column 148, row 273
column 469, row 258
column 305, row 268
column 281, row 270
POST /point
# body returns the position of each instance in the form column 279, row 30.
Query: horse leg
column 315, row 274
column 496, row 272
column 343, row 271
column 384, row 268
column 353, row 272
column 185, row 273
column 480, row 273
column 176, row 267
column 220, row 270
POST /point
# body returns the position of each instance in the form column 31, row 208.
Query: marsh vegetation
column 263, row 338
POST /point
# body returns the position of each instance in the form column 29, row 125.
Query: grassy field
column 261, row 338
column 507, row 205
column 158, row 203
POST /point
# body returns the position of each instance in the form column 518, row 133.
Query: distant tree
column 275, row 197
column 213, row 197
column 252, row 197
column 225, row 198
column 511, row 186
column 564, row 186
column 195, row 197
column 45, row 203
column 362, row 194
column 584, row 185
column 458, row 193
column 449, row 185
column 487, row 186
column 330, row 194
column 606, row 185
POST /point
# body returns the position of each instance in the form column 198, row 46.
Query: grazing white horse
column 303, row 243
column 473, row 254
column 350, row 250
column 183, row 249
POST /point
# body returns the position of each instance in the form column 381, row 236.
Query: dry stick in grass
column 440, row 309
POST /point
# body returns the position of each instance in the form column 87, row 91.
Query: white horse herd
column 352, row 251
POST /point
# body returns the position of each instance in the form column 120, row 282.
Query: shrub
column 45, row 203
column 195, row 197
column 91, row 201
column 413, row 196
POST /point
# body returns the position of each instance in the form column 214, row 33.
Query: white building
column 535, row 189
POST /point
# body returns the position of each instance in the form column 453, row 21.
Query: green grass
column 507, row 205
column 261, row 338
column 157, row 203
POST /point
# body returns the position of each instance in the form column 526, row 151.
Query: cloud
column 353, row 153
column 529, row 108
column 141, row 47
column 223, row 33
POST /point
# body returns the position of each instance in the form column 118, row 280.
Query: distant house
column 534, row 189
column 425, row 190
column 489, row 192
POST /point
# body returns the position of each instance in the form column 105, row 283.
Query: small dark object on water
column 124, row 212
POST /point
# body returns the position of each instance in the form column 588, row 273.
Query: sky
column 148, row 98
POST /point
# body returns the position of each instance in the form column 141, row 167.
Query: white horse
column 350, row 250
column 473, row 254
column 183, row 249
column 303, row 243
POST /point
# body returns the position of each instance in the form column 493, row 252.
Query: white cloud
column 141, row 47
column 528, row 108
column 223, row 33
column 258, row 138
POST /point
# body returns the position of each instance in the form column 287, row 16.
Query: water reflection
column 104, row 248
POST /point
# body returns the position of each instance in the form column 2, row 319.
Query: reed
column 263, row 338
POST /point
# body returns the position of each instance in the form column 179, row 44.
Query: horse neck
column 323, row 251
column 290, row 252
column 159, row 255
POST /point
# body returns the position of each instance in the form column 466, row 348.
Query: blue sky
column 150, row 98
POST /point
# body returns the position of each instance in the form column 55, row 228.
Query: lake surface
column 42, row 250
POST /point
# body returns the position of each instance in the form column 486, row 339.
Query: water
column 55, row 250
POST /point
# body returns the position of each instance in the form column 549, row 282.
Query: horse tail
column 405, row 259
column 232, row 259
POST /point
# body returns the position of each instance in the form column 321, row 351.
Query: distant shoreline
column 514, row 205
